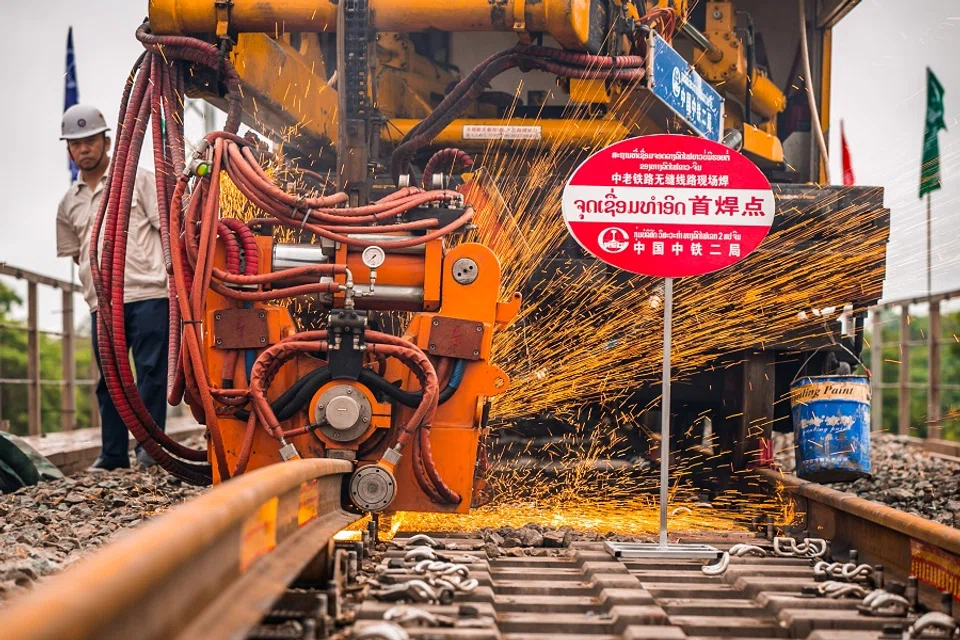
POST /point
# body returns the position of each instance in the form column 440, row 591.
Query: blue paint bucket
column 831, row 427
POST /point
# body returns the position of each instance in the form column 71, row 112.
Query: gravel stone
column 903, row 477
column 47, row 527
column 530, row 537
column 557, row 539
column 511, row 542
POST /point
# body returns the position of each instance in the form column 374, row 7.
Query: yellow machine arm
column 285, row 55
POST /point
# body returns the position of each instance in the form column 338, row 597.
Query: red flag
column 848, row 179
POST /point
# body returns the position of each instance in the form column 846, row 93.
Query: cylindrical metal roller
column 576, row 24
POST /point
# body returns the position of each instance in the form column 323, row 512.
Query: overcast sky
column 881, row 51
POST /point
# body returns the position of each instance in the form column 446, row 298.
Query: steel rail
column 880, row 534
column 234, row 548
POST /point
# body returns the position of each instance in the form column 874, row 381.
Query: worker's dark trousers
column 147, row 325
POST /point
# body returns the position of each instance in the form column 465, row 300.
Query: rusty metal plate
column 240, row 328
column 455, row 338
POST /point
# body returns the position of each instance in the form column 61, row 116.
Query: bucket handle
column 835, row 344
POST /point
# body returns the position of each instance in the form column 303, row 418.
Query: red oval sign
column 668, row 205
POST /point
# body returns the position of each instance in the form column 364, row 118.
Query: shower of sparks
column 589, row 485
column 588, row 337
column 606, row 342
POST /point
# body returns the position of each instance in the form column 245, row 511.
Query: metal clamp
column 199, row 165
column 836, row 590
column 848, row 571
column 222, row 8
column 288, row 451
column 885, row 604
column 410, row 616
column 809, row 548
column 382, row 631
column 413, row 616
column 741, row 550
column 420, row 553
column 420, row 539
column 719, row 568
column 519, row 16
column 415, row 590
column 940, row 625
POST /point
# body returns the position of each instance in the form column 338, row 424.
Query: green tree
column 919, row 359
column 13, row 365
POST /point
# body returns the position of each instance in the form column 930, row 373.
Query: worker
column 146, row 306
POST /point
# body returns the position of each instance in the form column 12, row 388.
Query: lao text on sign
column 668, row 205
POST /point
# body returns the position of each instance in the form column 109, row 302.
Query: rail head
column 154, row 581
column 903, row 544
column 942, row 536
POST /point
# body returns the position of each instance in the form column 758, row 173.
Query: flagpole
column 929, row 244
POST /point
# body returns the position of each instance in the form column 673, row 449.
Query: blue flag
column 71, row 94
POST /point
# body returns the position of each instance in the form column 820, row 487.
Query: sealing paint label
column 258, row 535
column 309, row 502
column 500, row 132
column 830, row 391
column 935, row 567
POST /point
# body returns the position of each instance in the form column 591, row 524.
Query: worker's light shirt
column 145, row 275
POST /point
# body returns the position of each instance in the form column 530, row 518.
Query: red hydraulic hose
column 136, row 109
column 152, row 97
column 251, row 253
column 450, row 157
column 231, row 248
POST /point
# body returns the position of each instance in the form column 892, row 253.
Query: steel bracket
column 654, row 550
column 347, row 343
column 223, row 8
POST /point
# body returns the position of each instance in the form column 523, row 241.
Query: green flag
column 930, row 169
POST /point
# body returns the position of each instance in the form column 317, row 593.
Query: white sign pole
column 665, row 409
column 723, row 197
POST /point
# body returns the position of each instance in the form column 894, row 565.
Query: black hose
column 378, row 384
column 301, row 397
column 412, row 399
column 297, row 396
column 300, row 392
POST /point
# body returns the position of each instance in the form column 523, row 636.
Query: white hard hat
column 82, row 121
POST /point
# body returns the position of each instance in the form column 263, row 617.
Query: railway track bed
column 257, row 558
column 592, row 594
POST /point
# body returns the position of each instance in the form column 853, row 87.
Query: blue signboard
column 677, row 85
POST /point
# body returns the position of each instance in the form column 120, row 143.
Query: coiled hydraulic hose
column 191, row 228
